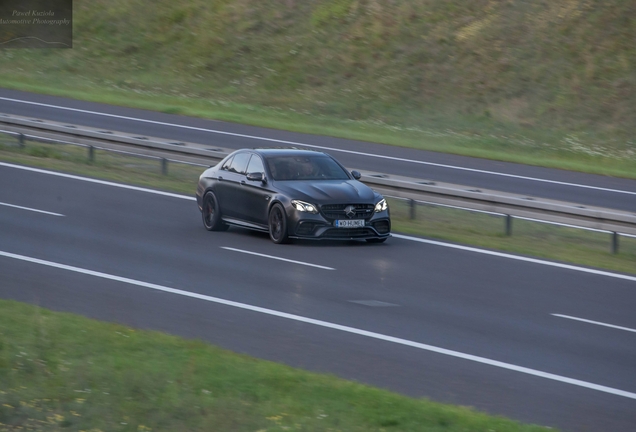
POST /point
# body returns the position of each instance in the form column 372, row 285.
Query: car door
column 229, row 185
column 255, row 194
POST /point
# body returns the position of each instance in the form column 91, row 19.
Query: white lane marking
column 277, row 258
column 294, row 143
column 595, row 322
column 518, row 258
column 91, row 180
column 401, row 236
column 329, row 325
column 30, row 209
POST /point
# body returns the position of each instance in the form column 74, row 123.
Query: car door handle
column 220, row 178
column 242, row 182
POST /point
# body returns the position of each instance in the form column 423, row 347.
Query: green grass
column 64, row 372
column 563, row 244
column 544, row 83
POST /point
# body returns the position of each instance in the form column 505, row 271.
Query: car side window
column 239, row 163
column 255, row 165
column 226, row 165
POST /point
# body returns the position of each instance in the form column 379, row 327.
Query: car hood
column 328, row 191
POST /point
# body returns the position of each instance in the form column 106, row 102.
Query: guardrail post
column 412, row 205
column 614, row 242
column 91, row 153
column 21, row 140
column 508, row 225
column 164, row 166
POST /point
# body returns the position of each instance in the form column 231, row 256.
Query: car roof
column 290, row 151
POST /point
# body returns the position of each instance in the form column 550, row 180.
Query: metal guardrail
column 111, row 140
column 559, row 212
column 415, row 190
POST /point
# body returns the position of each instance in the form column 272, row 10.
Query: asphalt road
column 508, row 177
column 422, row 319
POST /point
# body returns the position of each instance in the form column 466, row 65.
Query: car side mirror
column 257, row 176
column 356, row 175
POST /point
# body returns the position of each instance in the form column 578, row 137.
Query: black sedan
column 291, row 193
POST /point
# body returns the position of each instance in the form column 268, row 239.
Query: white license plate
column 352, row 223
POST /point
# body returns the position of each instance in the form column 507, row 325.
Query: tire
column 376, row 240
column 211, row 213
column 278, row 224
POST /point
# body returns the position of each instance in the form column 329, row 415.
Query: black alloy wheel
column 278, row 224
column 211, row 214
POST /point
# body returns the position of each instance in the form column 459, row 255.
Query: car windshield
column 312, row 167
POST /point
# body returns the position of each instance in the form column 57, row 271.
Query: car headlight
column 302, row 206
column 381, row 206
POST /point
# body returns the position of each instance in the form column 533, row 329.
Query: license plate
column 352, row 223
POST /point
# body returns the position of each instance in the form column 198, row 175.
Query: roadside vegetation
column 569, row 245
column 546, row 83
column 63, row 372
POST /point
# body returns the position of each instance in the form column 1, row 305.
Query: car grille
column 337, row 211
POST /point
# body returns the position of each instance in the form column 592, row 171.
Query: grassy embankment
column 546, row 83
column 534, row 239
column 64, row 372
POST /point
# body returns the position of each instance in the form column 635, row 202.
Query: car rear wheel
column 212, row 214
column 278, row 224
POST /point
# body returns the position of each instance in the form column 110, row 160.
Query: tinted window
column 226, row 165
column 311, row 167
column 255, row 165
column 239, row 163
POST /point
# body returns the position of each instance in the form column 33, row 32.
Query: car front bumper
column 317, row 227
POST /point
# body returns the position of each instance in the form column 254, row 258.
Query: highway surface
column 532, row 340
column 535, row 341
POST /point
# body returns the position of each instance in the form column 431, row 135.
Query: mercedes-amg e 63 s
column 291, row 193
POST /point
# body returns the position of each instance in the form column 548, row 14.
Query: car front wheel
column 278, row 224
column 212, row 214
